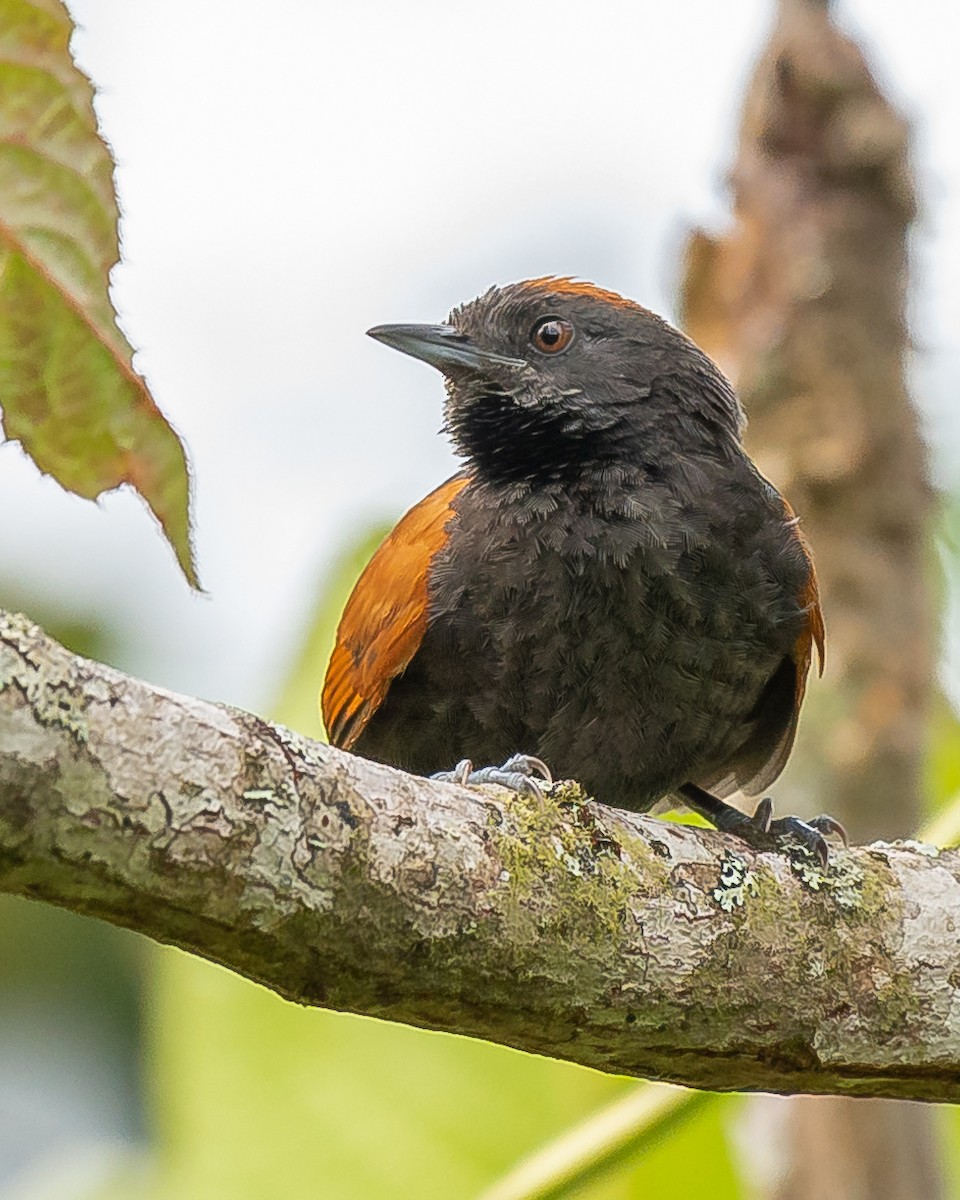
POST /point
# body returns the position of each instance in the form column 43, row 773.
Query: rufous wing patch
column 386, row 616
column 814, row 634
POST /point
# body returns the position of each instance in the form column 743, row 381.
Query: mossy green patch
column 769, row 907
column 897, row 1004
column 853, row 889
column 857, row 885
column 805, row 931
column 841, row 879
column 565, row 872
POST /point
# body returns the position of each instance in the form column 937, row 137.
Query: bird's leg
column 520, row 773
column 760, row 830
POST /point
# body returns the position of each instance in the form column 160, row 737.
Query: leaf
column 258, row 1098
column 68, row 388
column 602, row 1143
column 299, row 704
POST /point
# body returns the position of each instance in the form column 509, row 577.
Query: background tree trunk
column 803, row 304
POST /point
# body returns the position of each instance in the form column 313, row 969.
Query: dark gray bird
column 609, row 584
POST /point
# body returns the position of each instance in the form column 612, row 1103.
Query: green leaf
column 299, row 704
column 602, row 1143
column 68, row 389
column 258, row 1098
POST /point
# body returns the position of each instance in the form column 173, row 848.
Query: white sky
column 294, row 173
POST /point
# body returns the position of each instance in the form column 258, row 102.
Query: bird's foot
column 761, row 831
column 520, row 773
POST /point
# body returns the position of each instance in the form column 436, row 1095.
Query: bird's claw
column 828, row 824
column 762, row 832
column 521, row 773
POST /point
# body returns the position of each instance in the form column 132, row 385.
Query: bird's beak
column 442, row 346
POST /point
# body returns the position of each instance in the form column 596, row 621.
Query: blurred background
column 288, row 178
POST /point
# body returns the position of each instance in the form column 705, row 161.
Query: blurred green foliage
column 943, row 759
column 70, row 986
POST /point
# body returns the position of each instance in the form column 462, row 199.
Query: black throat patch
column 536, row 444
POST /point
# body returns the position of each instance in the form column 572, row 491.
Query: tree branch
column 567, row 929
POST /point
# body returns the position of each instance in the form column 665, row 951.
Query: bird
column 608, row 590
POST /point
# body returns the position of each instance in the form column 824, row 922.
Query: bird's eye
column 552, row 335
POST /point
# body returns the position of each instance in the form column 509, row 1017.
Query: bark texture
column 610, row 939
column 803, row 302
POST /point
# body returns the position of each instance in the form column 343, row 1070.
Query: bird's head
column 550, row 379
